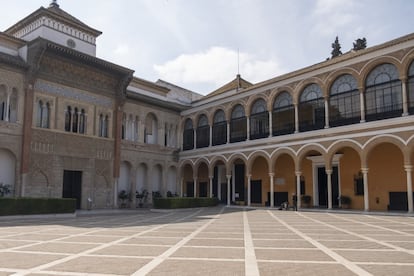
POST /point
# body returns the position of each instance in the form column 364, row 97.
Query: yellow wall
column 285, row 168
column 386, row 174
column 260, row 171
column 349, row 166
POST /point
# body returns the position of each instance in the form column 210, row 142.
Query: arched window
column 3, row 102
column 283, row 116
column 103, row 125
column 106, row 126
column 151, row 129
column 259, row 120
column 68, row 118
column 188, row 135
column 75, row 120
column 203, row 132
column 238, row 125
column 383, row 96
column 82, row 122
column 411, row 88
column 13, row 106
column 344, row 102
column 311, row 108
column 123, row 131
column 219, row 128
column 39, row 112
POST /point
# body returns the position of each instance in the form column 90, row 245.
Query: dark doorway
column 72, row 186
column 398, row 201
column 256, row 189
column 215, row 182
column 239, row 181
column 203, row 189
column 323, row 187
column 223, row 187
column 190, row 189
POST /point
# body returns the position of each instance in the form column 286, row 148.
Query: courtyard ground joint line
column 341, row 260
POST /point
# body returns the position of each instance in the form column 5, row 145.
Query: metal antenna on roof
column 238, row 62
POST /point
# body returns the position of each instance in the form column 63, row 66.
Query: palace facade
column 74, row 125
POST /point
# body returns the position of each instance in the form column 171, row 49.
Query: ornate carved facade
column 73, row 125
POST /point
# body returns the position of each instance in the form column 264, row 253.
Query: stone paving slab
column 209, row 241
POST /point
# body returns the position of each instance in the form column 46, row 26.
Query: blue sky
column 195, row 43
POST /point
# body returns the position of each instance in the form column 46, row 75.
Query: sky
column 203, row 44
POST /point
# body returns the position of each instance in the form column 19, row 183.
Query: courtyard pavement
column 208, row 241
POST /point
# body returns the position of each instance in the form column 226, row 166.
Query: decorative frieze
column 71, row 93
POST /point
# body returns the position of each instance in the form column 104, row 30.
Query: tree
column 336, row 48
column 360, row 44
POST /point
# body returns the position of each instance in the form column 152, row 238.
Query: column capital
column 364, row 170
column 211, row 176
column 271, row 174
column 408, row 168
column 248, row 175
column 228, row 176
column 328, row 172
column 298, row 173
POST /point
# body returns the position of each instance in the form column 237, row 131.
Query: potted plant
column 345, row 201
column 4, row 190
column 306, row 200
column 124, row 197
column 141, row 197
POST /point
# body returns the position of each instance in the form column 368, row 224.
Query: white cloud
column 332, row 15
column 215, row 67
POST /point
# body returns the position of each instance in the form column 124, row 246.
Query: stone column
column 210, row 141
column 195, row 186
column 272, row 196
column 366, row 197
column 233, row 186
column 182, row 187
column 228, row 132
column 270, row 124
column 296, row 118
column 248, row 128
column 404, row 96
column 195, row 139
column 362, row 102
column 409, row 170
column 211, row 185
column 329, row 181
column 228, row 189
column 249, row 177
column 298, row 190
column 7, row 109
column 326, row 113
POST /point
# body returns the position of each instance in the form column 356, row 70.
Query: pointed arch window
column 43, row 111
column 103, row 125
column 151, row 129
column 259, row 120
column 68, row 118
column 219, row 128
column 82, row 122
column 344, row 102
column 238, row 125
column 75, row 120
column 188, row 135
column 3, row 102
column 283, row 115
column 13, row 106
column 411, row 88
column 311, row 108
column 383, row 93
column 203, row 132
